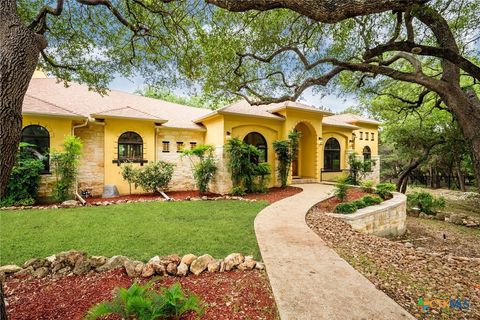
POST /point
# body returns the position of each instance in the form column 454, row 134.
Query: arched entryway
column 305, row 165
column 258, row 140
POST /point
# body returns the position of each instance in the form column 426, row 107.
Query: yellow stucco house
column 122, row 127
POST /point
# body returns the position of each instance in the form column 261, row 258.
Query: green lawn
column 137, row 230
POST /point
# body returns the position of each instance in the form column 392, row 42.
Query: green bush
column 138, row 302
column 129, row 174
column 23, row 183
column 341, row 188
column 346, row 207
column 65, row 165
column 370, row 200
column 247, row 174
column 384, row 190
column 358, row 168
column 367, row 186
column 238, row 191
column 286, row 151
column 426, row 202
column 155, row 177
column 204, row 166
column 359, row 203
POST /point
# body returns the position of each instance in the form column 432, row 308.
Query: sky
column 331, row 101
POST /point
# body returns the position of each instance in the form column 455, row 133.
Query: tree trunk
column 465, row 107
column 461, row 179
column 19, row 51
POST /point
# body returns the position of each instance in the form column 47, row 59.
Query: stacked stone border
column 384, row 219
column 79, row 263
column 74, row 203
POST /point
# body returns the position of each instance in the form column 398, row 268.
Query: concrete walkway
column 308, row 279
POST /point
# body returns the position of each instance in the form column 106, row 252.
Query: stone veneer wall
column 386, row 218
column 222, row 182
column 45, row 188
column 91, row 170
column 182, row 176
column 375, row 174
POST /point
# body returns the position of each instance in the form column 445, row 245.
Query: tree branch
column 41, row 18
column 328, row 11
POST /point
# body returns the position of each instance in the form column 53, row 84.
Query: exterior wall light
column 229, row 135
column 320, row 140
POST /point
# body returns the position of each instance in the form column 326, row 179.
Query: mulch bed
column 273, row 195
column 329, row 204
column 227, row 295
column 404, row 273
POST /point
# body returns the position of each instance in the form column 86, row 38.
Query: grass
column 137, row 230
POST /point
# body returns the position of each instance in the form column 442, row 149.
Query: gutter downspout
column 77, row 195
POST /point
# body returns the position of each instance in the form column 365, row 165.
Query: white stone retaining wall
column 386, row 218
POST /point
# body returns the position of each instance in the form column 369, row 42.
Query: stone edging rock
column 78, row 263
column 75, row 203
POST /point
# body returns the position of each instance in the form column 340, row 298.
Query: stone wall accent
column 374, row 175
column 386, row 218
column 222, row 182
column 182, row 176
column 45, row 188
column 78, row 263
column 92, row 168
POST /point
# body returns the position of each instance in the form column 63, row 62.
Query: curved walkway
column 308, row 279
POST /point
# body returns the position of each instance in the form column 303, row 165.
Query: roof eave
column 54, row 115
column 103, row 116
column 276, row 118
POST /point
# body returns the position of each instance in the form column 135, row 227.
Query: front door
column 295, row 168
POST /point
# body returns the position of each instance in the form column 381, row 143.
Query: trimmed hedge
column 345, row 207
column 369, row 200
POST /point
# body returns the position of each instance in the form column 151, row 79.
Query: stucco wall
column 58, row 128
column 113, row 129
column 386, row 218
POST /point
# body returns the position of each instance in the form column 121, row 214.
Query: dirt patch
column 352, row 194
column 229, row 295
column 440, row 236
column 273, row 195
column 405, row 273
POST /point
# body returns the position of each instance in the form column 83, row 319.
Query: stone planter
column 384, row 219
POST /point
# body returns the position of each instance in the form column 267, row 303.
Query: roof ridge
column 56, row 106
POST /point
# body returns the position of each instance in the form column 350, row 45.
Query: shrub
column 367, row 186
column 247, row 174
column 138, row 302
column 384, row 190
column 286, row 151
column 155, row 177
column 238, row 191
column 358, row 168
column 426, row 202
column 65, row 165
column 341, row 188
column 359, row 203
column 205, row 166
column 129, row 174
column 369, row 200
column 23, row 183
column 346, row 207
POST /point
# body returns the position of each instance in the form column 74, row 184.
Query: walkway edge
column 308, row 279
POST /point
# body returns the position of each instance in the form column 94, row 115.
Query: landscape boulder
column 70, row 203
column 188, row 259
column 172, row 268
column 41, row 272
column 11, row 268
column 200, row 264
column 132, row 268
column 233, row 260
column 213, row 266
column 113, row 263
column 148, row 270
column 82, row 267
column 182, row 269
column 248, row 264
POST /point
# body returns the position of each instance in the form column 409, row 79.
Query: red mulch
column 273, row 195
column 330, row 204
column 227, row 295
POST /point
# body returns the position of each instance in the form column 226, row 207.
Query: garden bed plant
column 366, row 195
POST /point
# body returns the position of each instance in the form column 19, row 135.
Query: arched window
column 130, row 147
column 257, row 140
column 38, row 139
column 367, row 153
column 332, row 155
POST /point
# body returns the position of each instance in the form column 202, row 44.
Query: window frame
column 180, row 143
column 167, row 144
column 372, row 136
column 263, row 147
column 361, row 135
column 333, row 154
column 46, row 138
column 193, row 144
column 129, row 144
